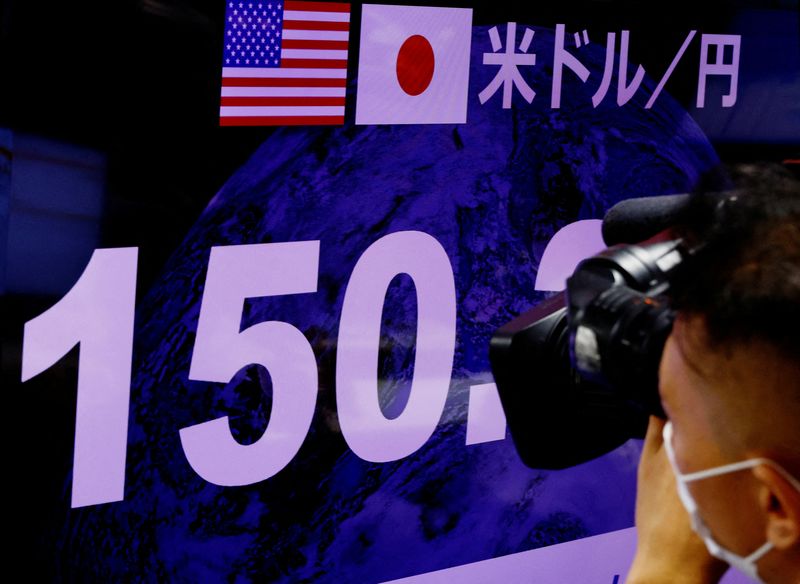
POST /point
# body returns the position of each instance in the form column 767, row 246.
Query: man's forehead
column 692, row 341
column 695, row 370
column 737, row 369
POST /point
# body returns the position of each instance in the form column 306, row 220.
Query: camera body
column 578, row 374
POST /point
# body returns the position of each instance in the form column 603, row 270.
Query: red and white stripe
column 309, row 86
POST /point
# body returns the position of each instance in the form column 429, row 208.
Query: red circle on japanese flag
column 415, row 63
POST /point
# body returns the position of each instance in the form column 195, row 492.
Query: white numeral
column 368, row 432
column 235, row 273
column 98, row 313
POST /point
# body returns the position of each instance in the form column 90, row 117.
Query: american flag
column 284, row 63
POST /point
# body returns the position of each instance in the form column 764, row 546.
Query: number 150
column 98, row 313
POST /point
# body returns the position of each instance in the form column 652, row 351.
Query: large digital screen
column 253, row 254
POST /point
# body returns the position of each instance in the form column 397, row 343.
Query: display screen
column 252, row 254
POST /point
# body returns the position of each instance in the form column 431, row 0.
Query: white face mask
column 745, row 564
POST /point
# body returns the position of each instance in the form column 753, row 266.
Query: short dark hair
column 745, row 278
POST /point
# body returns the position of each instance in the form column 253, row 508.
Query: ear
column 779, row 500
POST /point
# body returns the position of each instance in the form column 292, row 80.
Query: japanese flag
column 413, row 66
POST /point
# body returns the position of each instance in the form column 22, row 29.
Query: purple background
column 493, row 192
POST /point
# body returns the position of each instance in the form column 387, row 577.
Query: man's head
column 730, row 372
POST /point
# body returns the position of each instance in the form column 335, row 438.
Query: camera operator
column 729, row 382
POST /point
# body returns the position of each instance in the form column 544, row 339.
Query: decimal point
column 486, row 420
